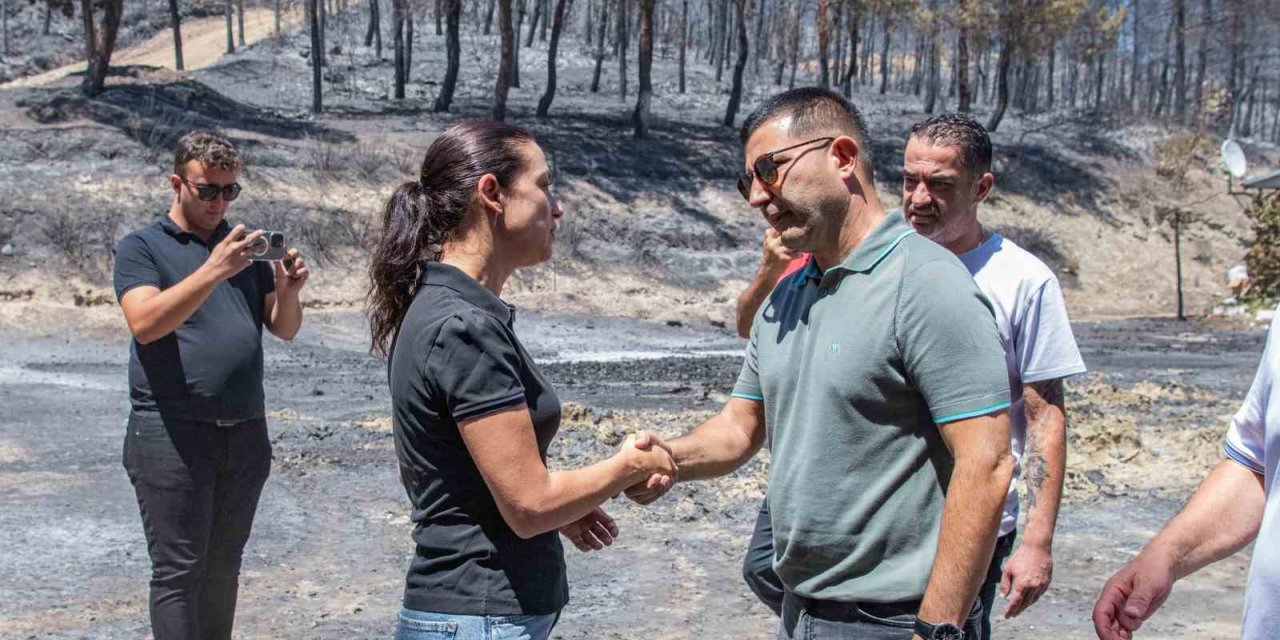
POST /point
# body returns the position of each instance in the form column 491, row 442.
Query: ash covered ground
column 331, row 539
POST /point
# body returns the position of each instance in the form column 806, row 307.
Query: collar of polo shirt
column 170, row 227
column 882, row 241
column 873, row 250
column 444, row 275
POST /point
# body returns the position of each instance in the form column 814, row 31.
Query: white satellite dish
column 1233, row 159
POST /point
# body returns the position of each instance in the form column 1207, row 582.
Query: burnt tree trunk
column 374, row 35
column 884, row 53
column 1202, row 58
column 855, row 15
column 231, row 30
column 1008, row 36
column 762, row 47
column 507, row 63
column 933, row 83
column 1098, row 81
column 602, row 25
column 722, row 38
column 398, row 27
column 544, row 104
column 1135, row 10
column 542, row 35
column 515, row 53
column 1179, row 60
column 533, row 25
column 964, row 95
column 408, row 40
column 824, row 69
column 684, row 40
column 621, row 20
column 99, row 44
column 735, row 95
column 795, row 46
column 176, row 22
column 313, row 29
column 640, row 117
column 453, row 47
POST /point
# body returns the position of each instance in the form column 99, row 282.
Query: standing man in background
column 196, row 449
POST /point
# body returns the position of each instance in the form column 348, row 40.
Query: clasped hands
column 647, row 459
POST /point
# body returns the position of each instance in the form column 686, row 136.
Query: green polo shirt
column 856, row 367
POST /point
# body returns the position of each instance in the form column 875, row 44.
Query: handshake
column 648, row 461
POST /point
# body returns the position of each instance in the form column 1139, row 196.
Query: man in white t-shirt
column 1235, row 504
column 946, row 176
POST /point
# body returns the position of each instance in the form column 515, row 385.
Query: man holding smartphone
column 197, row 450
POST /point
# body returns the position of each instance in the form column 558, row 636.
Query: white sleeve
column 1247, row 436
column 1046, row 348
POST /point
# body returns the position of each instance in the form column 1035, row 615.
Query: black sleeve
column 474, row 366
column 135, row 266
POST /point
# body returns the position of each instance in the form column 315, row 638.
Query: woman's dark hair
column 422, row 215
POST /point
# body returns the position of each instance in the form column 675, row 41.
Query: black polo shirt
column 456, row 358
column 210, row 368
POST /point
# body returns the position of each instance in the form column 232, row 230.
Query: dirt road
column 204, row 41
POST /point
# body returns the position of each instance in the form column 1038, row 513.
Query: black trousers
column 197, row 486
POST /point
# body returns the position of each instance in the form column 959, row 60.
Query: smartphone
column 269, row 246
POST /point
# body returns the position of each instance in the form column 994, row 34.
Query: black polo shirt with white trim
column 456, row 358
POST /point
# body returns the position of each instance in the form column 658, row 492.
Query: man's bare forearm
column 1222, row 517
column 162, row 313
column 286, row 316
column 1044, row 465
column 970, row 520
column 721, row 444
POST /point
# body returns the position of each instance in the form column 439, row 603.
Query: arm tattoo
column 1033, row 471
column 1044, row 394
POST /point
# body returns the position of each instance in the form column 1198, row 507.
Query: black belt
column 853, row 611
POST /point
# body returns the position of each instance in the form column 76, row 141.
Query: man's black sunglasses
column 766, row 169
column 208, row 192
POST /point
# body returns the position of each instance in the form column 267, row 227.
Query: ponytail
column 422, row 215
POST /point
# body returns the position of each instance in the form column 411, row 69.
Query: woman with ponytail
column 472, row 414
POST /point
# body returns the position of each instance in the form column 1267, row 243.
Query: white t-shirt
column 1253, row 440
column 1034, row 331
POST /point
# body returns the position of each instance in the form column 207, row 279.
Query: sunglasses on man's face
column 765, row 168
column 208, row 192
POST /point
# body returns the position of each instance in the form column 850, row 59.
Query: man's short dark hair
column 958, row 130
column 813, row 110
column 209, row 148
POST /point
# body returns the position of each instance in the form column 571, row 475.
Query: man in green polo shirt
column 879, row 373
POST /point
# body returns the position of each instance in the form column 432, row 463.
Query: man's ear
column 848, row 156
column 985, row 184
column 175, row 181
column 490, row 193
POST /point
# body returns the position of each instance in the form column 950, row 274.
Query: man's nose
column 760, row 194
column 920, row 195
